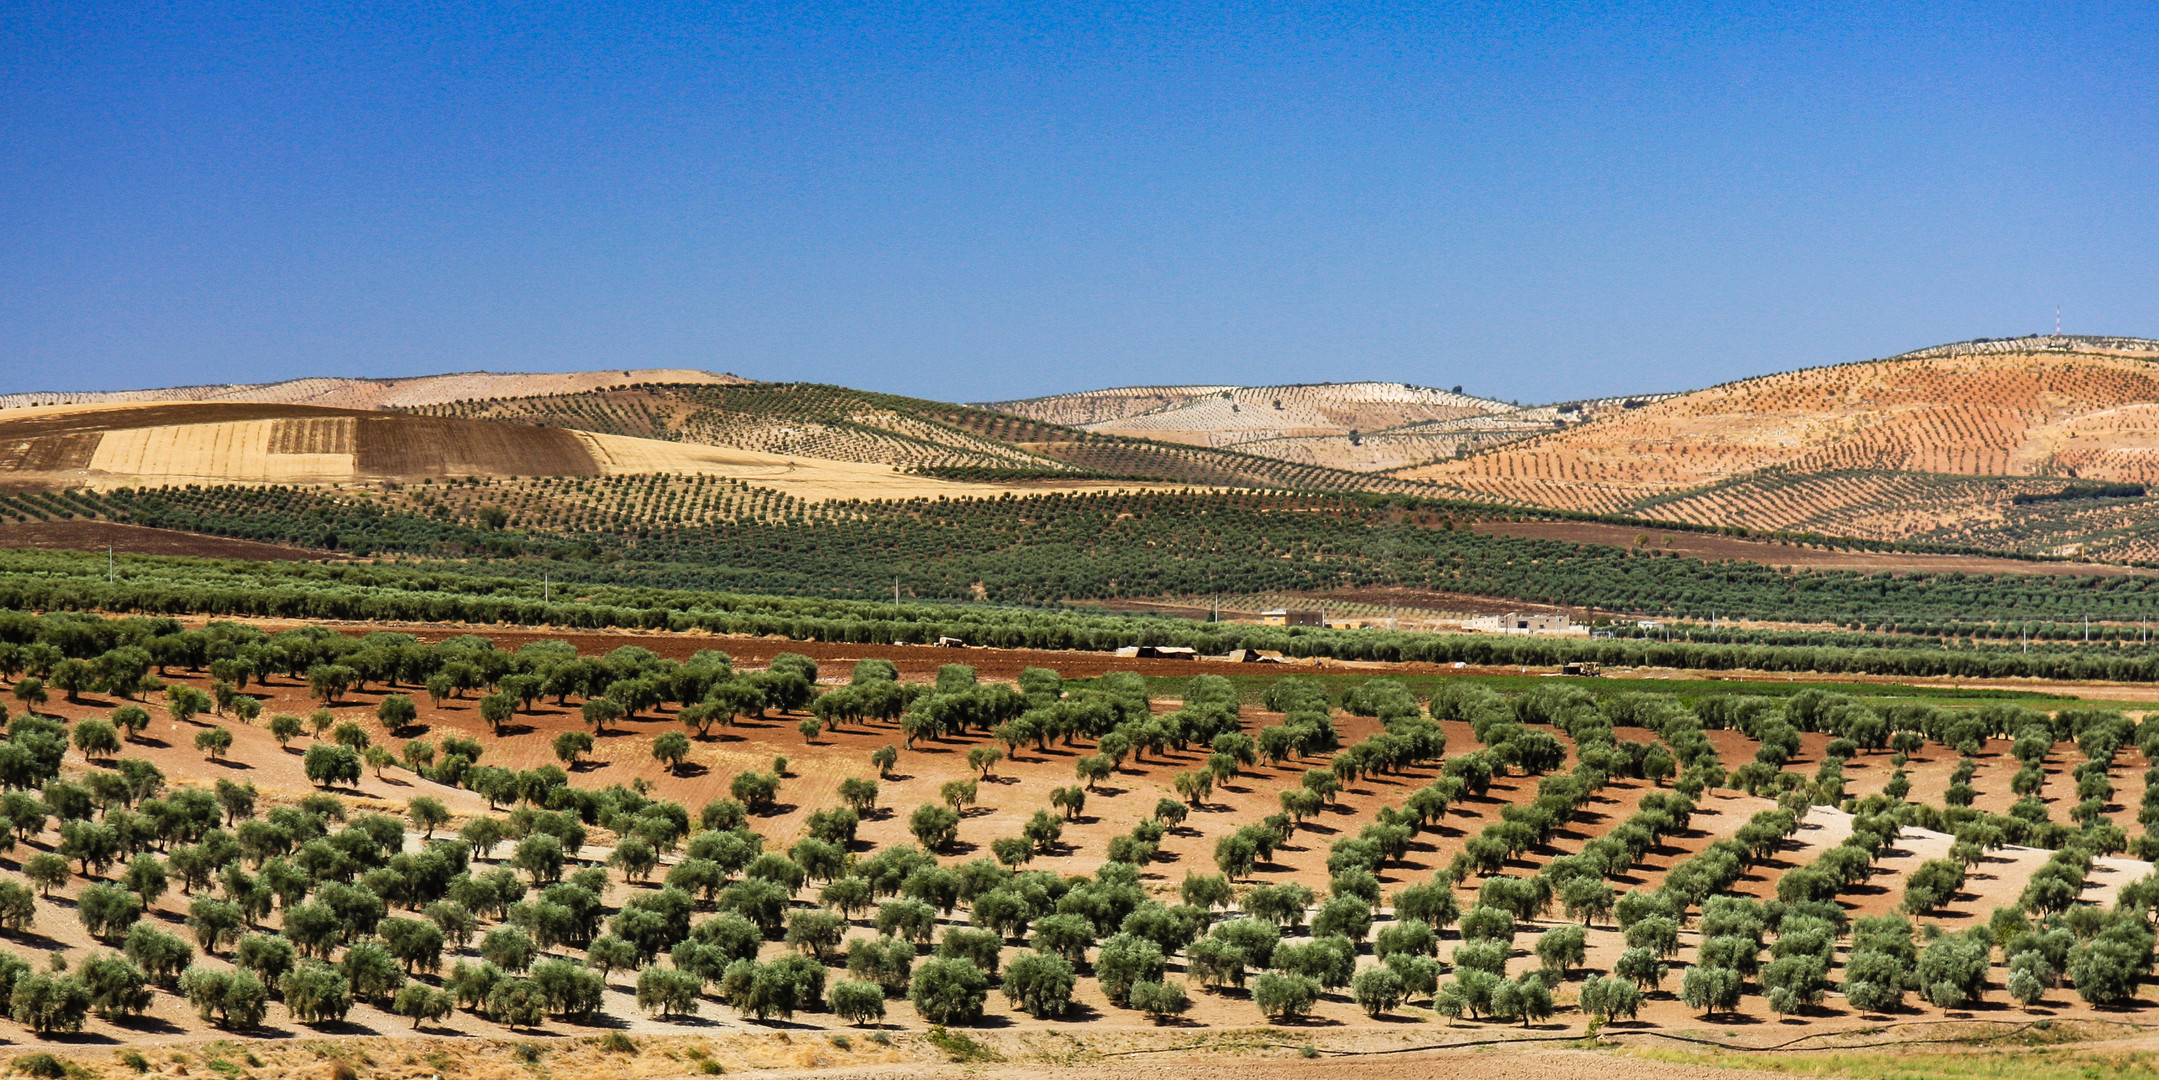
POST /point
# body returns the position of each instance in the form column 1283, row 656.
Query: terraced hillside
column 1423, row 442
column 926, row 437
column 1241, row 415
column 2033, row 407
column 1356, row 427
column 828, row 422
column 1097, row 406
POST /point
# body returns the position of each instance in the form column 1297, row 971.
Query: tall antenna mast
column 2057, row 320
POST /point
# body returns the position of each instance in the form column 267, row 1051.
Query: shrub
column 45, row 1002
column 1040, row 984
column 1526, row 999
column 1794, row 982
column 1874, row 980
column 231, row 998
column 516, row 1003
column 1953, row 970
column 2107, row 969
column 314, row 992
column 910, row 919
column 1640, row 967
column 1377, row 991
column 858, row 1003
column 1613, row 999
column 935, row 827
column 1160, row 1000
column 1126, row 959
column 1486, row 923
column 949, row 991
column 980, row 947
column 43, row 1066
column 887, row 961
column 668, row 991
column 1284, row 997
column 161, row 955
column 1562, row 948
column 117, row 987
column 1710, row 988
column 1343, row 916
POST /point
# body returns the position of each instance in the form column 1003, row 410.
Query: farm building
column 1525, row 623
column 1288, row 617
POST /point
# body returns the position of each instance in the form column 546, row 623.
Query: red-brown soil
column 1016, row 789
column 140, row 540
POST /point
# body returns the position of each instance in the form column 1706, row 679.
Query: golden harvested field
column 381, row 393
column 100, row 446
column 2041, row 407
column 107, row 446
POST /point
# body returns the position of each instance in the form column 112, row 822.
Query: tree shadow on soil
column 147, row 1024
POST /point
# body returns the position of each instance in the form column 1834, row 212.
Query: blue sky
column 981, row 201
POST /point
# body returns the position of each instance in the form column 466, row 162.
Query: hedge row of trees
column 1055, row 549
column 61, row 581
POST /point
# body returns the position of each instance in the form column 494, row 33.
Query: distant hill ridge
column 354, row 393
column 1936, row 444
column 2047, row 406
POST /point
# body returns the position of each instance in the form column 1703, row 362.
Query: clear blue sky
column 978, row 201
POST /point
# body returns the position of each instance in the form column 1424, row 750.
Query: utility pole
column 108, row 564
column 895, row 591
column 547, row 592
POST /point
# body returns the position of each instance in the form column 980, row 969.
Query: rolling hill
column 2041, row 445
column 377, row 393
column 207, row 443
column 1839, row 443
column 1367, row 427
column 919, row 436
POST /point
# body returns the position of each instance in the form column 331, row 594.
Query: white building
column 1529, row 624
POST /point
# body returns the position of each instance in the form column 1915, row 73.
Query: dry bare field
column 381, row 393
column 1170, row 1054
column 106, row 446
